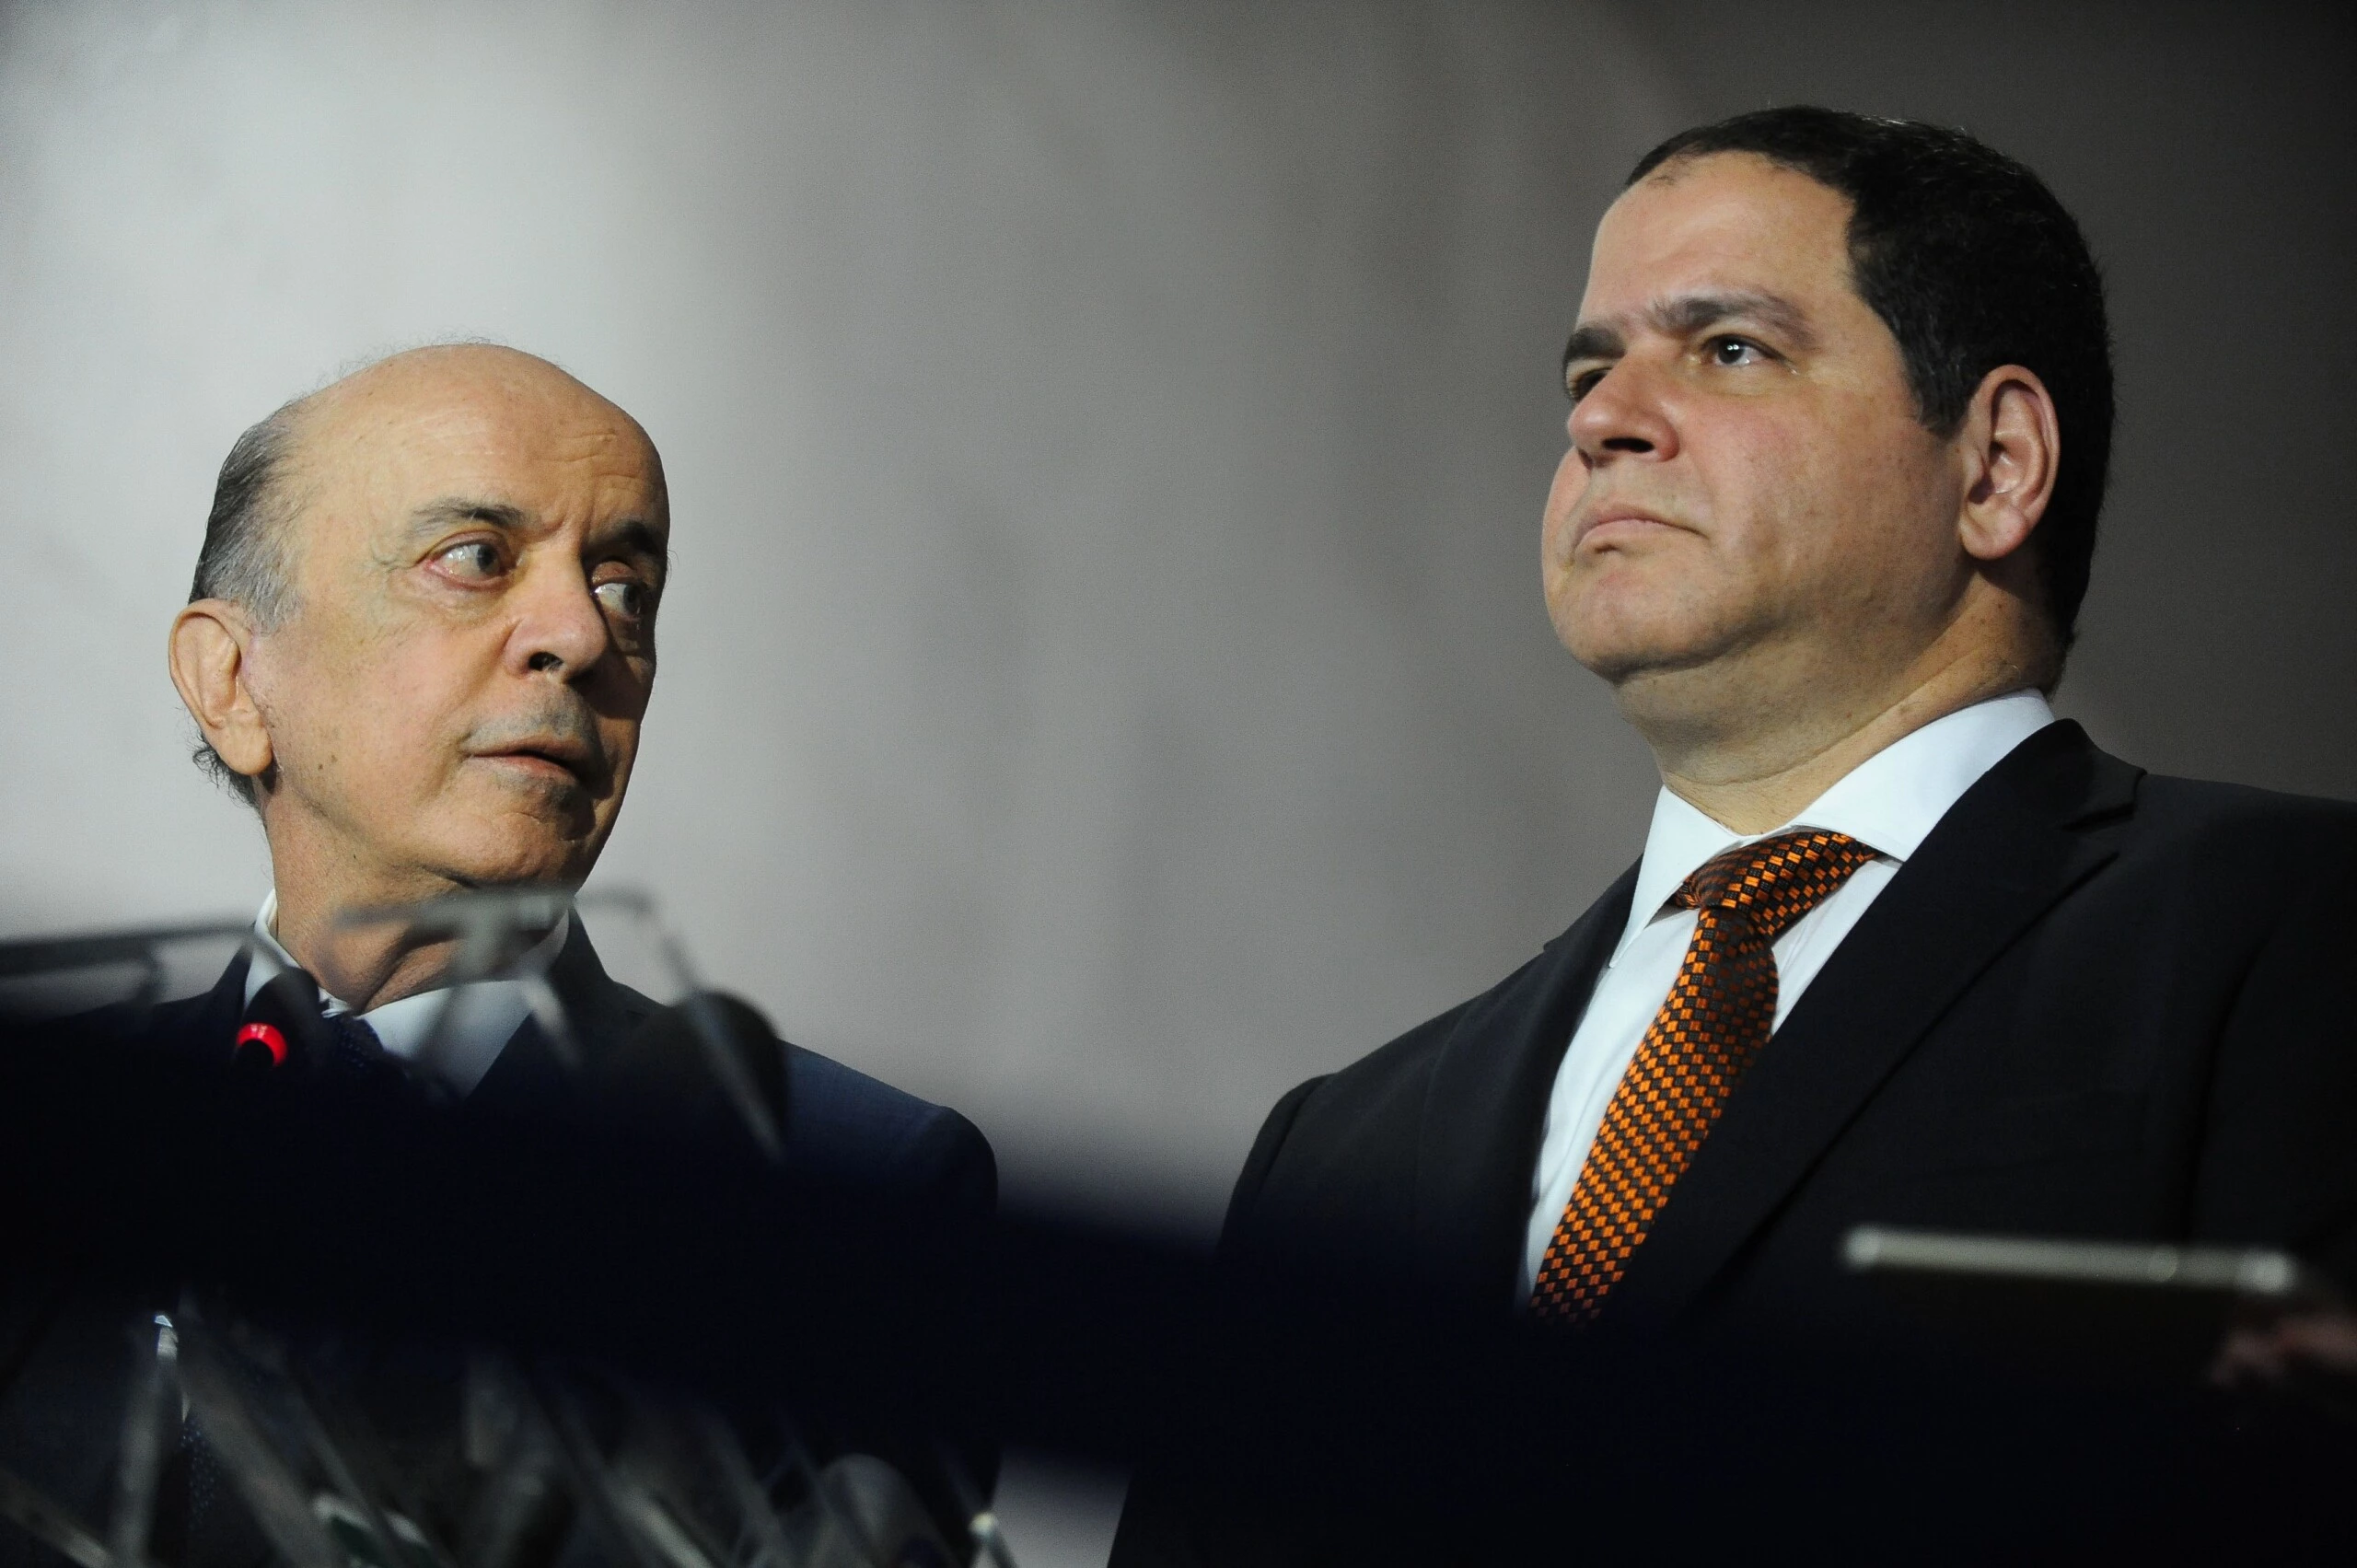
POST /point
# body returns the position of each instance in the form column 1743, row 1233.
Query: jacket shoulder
column 1396, row 1071
column 844, row 1123
column 2198, row 806
column 1342, row 1148
column 195, row 1029
column 2224, row 838
column 1337, row 1150
column 1383, row 1078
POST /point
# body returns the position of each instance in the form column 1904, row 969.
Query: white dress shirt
column 1891, row 802
column 482, row 1015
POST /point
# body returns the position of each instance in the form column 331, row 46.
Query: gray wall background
column 1106, row 680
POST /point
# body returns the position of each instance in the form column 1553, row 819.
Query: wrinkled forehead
column 371, row 456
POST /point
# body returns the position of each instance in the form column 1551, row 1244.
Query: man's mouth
column 554, row 747
column 558, row 761
column 1617, row 525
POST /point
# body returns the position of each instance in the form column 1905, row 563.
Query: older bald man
column 420, row 642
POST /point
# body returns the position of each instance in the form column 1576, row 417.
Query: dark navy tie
column 357, row 1053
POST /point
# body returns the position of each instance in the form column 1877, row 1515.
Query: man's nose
column 559, row 628
column 1622, row 415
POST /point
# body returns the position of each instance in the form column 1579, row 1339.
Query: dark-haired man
column 1900, row 947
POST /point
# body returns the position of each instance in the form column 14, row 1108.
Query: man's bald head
column 422, row 637
column 252, row 538
column 450, row 384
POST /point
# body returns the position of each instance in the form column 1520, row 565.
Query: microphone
column 282, row 1027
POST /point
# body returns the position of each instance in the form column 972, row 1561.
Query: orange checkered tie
column 1718, row 1015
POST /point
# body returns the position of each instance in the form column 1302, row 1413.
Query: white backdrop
column 1105, row 680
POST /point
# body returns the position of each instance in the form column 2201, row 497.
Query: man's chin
column 1621, row 654
column 1625, row 630
column 512, row 854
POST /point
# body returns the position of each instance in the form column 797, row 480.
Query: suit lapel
column 201, row 1027
column 527, row 1074
column 1487, row 1102
column 2003, row 856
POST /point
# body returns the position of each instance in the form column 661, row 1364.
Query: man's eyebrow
column 1591, row 340
column 635, row 534
column 461, row 509
column 1690, row 313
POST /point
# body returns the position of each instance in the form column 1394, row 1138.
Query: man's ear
column 209, row 639
column 2010, row 445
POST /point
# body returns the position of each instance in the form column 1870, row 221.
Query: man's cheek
column 1563, row 495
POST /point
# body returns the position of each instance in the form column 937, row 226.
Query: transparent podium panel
column 56, row 977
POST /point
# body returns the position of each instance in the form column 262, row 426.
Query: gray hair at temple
column 245, row 559
column 248, row 556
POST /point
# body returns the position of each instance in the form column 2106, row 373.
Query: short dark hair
column 1971, row 263
column 244, row 558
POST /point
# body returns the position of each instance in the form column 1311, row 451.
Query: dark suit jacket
column 64, row 1358
column 2095, row 1003
column 838, row 1121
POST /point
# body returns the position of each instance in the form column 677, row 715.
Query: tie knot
column 1774, row 882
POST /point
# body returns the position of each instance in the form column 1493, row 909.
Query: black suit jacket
column 838, row 1121
column 2094, row 1004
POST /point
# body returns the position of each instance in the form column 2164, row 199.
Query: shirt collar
column 1891, row 802
column 481, row 1016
